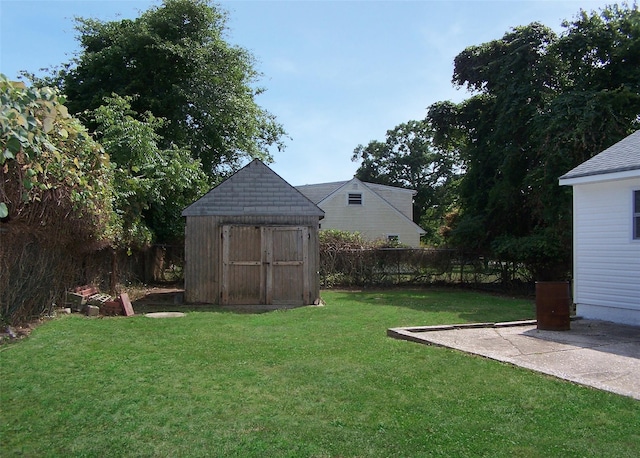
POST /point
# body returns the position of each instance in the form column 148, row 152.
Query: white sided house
column 375, row 211
column 606, row 233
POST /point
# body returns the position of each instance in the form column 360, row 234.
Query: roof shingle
column 620, row 157
column 253, row 190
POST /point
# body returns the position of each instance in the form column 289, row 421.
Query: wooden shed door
column 264, row 265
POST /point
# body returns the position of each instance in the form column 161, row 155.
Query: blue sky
column 337, row 73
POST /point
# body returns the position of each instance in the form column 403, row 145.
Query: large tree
column 541, row 104
column 151, row 185
column 174, row 59
column 408, row 159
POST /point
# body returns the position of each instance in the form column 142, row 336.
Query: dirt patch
column 10, row 334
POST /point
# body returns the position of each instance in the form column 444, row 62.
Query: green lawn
column 309, row 382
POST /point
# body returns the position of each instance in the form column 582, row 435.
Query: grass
column 308, row 382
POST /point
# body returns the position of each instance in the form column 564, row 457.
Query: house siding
column 606, row 258
column 400, row 198
column 374, row 219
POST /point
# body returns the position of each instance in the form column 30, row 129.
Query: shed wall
column 606, row 258
column 203, row 253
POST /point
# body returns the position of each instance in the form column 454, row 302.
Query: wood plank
column 267, row 258
column 224, row 281
column 288, row 265
column 305, row 263
column 126, row 304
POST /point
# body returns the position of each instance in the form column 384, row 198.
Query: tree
column 53, row 175
column 541, row 105
column 152, row 185
column 174, row 60
column 56, row 189
column 408, row 159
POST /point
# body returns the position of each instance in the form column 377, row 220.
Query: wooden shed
column 252, row 240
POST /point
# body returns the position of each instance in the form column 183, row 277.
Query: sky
column 337, row 74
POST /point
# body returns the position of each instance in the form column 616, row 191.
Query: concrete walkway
column 600, row 354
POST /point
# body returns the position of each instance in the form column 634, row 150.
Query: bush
column 347, row 259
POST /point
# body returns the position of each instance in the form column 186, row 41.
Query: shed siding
column 202, row 245
column 374, row 219
column 606, row 258
column 203, row 256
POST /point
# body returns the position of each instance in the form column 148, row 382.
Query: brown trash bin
column 553, row 303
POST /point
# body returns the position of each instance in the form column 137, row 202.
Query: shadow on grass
column 172, row 300
column 470, row 306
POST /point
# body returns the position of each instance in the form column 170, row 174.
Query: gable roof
column 316, row 193
column 623, row 156
column 253, row 190
column 319, row 193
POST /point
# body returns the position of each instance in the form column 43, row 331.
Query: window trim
column 635, row 215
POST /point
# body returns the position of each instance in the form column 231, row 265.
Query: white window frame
column 349, row 202
column 635, row 214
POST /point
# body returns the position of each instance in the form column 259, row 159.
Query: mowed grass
column 308, row 382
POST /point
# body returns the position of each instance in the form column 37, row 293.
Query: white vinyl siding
column 375, row 219
column 606, row 258
column 400, row 198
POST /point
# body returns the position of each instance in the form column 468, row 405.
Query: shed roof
column 254, row 190
column 620, row 157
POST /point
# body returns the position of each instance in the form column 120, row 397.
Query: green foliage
column 53, row 173
column 176, row 63
column 346, row 257
column 56, row 190
column 541, row 105
column 409, row 159
column 152, row 185
column 335, row 239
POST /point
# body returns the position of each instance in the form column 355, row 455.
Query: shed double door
column 264, row 265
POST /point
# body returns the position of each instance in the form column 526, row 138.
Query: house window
column 393, row 238
column 636, row 215
column 354, row 198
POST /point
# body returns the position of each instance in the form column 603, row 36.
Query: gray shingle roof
column 253, row 190
column 620, row 157
column 317, row 192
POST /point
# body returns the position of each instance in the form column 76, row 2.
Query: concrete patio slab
column 599, row 354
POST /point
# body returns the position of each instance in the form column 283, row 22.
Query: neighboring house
column 251, row 240
column 375, row 211
column 606, row 233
